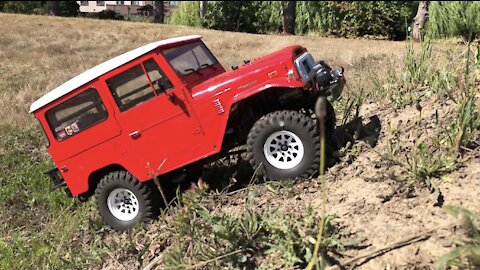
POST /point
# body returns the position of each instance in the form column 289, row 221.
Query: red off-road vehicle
column 172, row 102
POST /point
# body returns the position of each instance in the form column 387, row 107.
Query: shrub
column 109, row 15
column 454, row 18
column 341, row 18
column 187, row 13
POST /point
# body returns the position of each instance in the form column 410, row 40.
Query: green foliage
column 454, row 18
column 341, row 18
column 108, row 14
column 415, row 78
column 355, row 18
column 268, row 16
column 417, row 66
column 235, row 241
column 465, row 127
column 237, row 16
column 431, row 155
column 26, row 7
column 40, row 228
column 67, row 8
column 466, row 255
column 187, row 13
column 135, row 18
column 428, row 158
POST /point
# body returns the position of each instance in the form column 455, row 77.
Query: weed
column 465, row 127
column 420, row 161
column 466, row 255
column 351, row 105
column 244, row 238
column 417, row 67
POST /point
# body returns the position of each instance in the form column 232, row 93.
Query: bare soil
column 359, row 193
column 356, row 191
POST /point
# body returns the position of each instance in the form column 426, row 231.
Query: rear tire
column 286, row 143
column 123, row 201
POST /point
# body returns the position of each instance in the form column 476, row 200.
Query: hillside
column 374, row 196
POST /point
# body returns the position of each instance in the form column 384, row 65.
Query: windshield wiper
column 189, row 70
column 208, row 65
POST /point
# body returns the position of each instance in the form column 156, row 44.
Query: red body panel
column 181, row 132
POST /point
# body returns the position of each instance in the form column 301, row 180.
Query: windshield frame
column 213, row 60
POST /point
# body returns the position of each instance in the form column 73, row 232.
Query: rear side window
column 76, row 114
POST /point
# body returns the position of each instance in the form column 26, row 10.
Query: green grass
column 251, row 238
column 45, row 229
column 466, row 254
column 40, row 229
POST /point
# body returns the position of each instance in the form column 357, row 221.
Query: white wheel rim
column 123, row 204
column 283, row 150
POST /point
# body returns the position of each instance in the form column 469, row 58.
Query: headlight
column 304, row 64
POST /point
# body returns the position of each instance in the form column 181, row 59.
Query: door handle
column 134, row 134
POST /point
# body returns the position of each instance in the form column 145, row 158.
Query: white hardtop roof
column 101, row 69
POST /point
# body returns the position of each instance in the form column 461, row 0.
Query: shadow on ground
column 233, row 171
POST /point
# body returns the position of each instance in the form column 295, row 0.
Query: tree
column 53, row 8
column 69, row 8
column 454, row 19
column 158, row 12
column 288, row 16
column 420, row 20
column 203, row 6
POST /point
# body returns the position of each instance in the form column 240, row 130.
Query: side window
column 76, row 114
column 130, row 88
column 157, row 77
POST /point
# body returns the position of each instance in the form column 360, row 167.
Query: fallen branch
column 404, row 242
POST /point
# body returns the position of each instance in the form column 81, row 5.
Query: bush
column 452, row 19
column 136, row 18
column 109, row 15
column 67, row 8
column 187, row 13
column 341, row 18
column 355, row 18
column 26, row 7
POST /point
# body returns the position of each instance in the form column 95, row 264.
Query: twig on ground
column 195, row 266
column 404, row 242
column 153, row 263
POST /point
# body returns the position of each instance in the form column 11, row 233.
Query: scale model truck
column 171, row 102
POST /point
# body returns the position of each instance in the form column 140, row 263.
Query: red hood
column 243, row 75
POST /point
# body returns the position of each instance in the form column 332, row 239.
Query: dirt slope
column 356, row 184
column 357, row 188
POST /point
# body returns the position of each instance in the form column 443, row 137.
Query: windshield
column 188, row 58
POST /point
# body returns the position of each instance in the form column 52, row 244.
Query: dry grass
column 39, row 53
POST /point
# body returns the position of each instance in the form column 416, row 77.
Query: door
column 155, row 118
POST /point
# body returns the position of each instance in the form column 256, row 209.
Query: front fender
column 273, row 83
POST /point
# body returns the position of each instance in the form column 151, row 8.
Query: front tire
column 287, row 145
column 123, row 201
